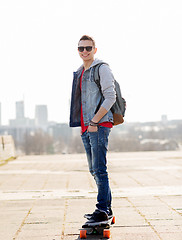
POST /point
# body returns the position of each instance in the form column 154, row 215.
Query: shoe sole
column 89, row 217
column 96, row 224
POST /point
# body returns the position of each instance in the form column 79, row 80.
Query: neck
column 87, row 64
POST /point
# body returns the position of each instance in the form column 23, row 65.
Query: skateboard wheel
column 83, row 234
column 113, row 220
column 106, row 233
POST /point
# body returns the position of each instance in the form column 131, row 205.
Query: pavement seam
column 64, row 219
column 171, row 208
column 45, row 182
column 65, row 209
column 23, row 182
column 135, row 180
column 142, row 215
column 23, row 222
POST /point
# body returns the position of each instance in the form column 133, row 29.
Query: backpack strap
column 97, row 81
column 97, row 75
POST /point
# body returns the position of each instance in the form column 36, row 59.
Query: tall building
column 41, row 116
column 20, row 110
column 21, row 121
column 164, row 119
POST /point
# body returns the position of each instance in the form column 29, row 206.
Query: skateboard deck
column 99, row 229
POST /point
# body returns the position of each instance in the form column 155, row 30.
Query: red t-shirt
column 83, row 127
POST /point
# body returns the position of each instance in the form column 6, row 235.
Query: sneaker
column 110, row 214
column 98, row 217
column 89, row 215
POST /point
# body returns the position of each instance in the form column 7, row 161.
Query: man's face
column 87, row 55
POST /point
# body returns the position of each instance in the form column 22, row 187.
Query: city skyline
column 40, row 118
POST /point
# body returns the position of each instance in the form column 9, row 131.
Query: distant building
column 21, row 121
column 60, row 130
column 41, row 116
column 164, row 119
column 20, row 110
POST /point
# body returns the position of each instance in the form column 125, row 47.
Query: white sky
column 140, row 39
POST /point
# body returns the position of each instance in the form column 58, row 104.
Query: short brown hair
column 86, row 37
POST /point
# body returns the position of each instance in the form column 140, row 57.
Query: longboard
column 99, row 229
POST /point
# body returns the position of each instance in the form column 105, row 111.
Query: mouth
column 85, row 55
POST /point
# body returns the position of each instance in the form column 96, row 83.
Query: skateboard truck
column 104, row 229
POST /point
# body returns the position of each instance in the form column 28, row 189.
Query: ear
column 95, row 50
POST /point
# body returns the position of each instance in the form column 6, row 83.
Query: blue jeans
column 96, row 144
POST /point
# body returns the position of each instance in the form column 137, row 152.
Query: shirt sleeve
column 107, row 86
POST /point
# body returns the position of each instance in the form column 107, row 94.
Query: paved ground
column 45, row 197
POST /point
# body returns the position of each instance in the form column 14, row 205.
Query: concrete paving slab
column 45, row 197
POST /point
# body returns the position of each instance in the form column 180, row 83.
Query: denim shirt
column 90, row 96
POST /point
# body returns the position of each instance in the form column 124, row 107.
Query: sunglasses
column 88, row 48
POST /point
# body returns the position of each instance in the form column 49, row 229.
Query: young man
column 95, row 123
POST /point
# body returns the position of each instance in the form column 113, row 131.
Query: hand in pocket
column 92, row 129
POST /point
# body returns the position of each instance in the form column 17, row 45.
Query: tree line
column 124, row 138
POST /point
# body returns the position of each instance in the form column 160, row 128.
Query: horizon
column 52, row 121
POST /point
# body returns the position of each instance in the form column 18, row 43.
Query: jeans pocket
column 93, row 131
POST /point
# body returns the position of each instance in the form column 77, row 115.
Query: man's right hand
column 92, row 129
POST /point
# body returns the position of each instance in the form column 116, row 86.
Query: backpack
column 119, row 107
